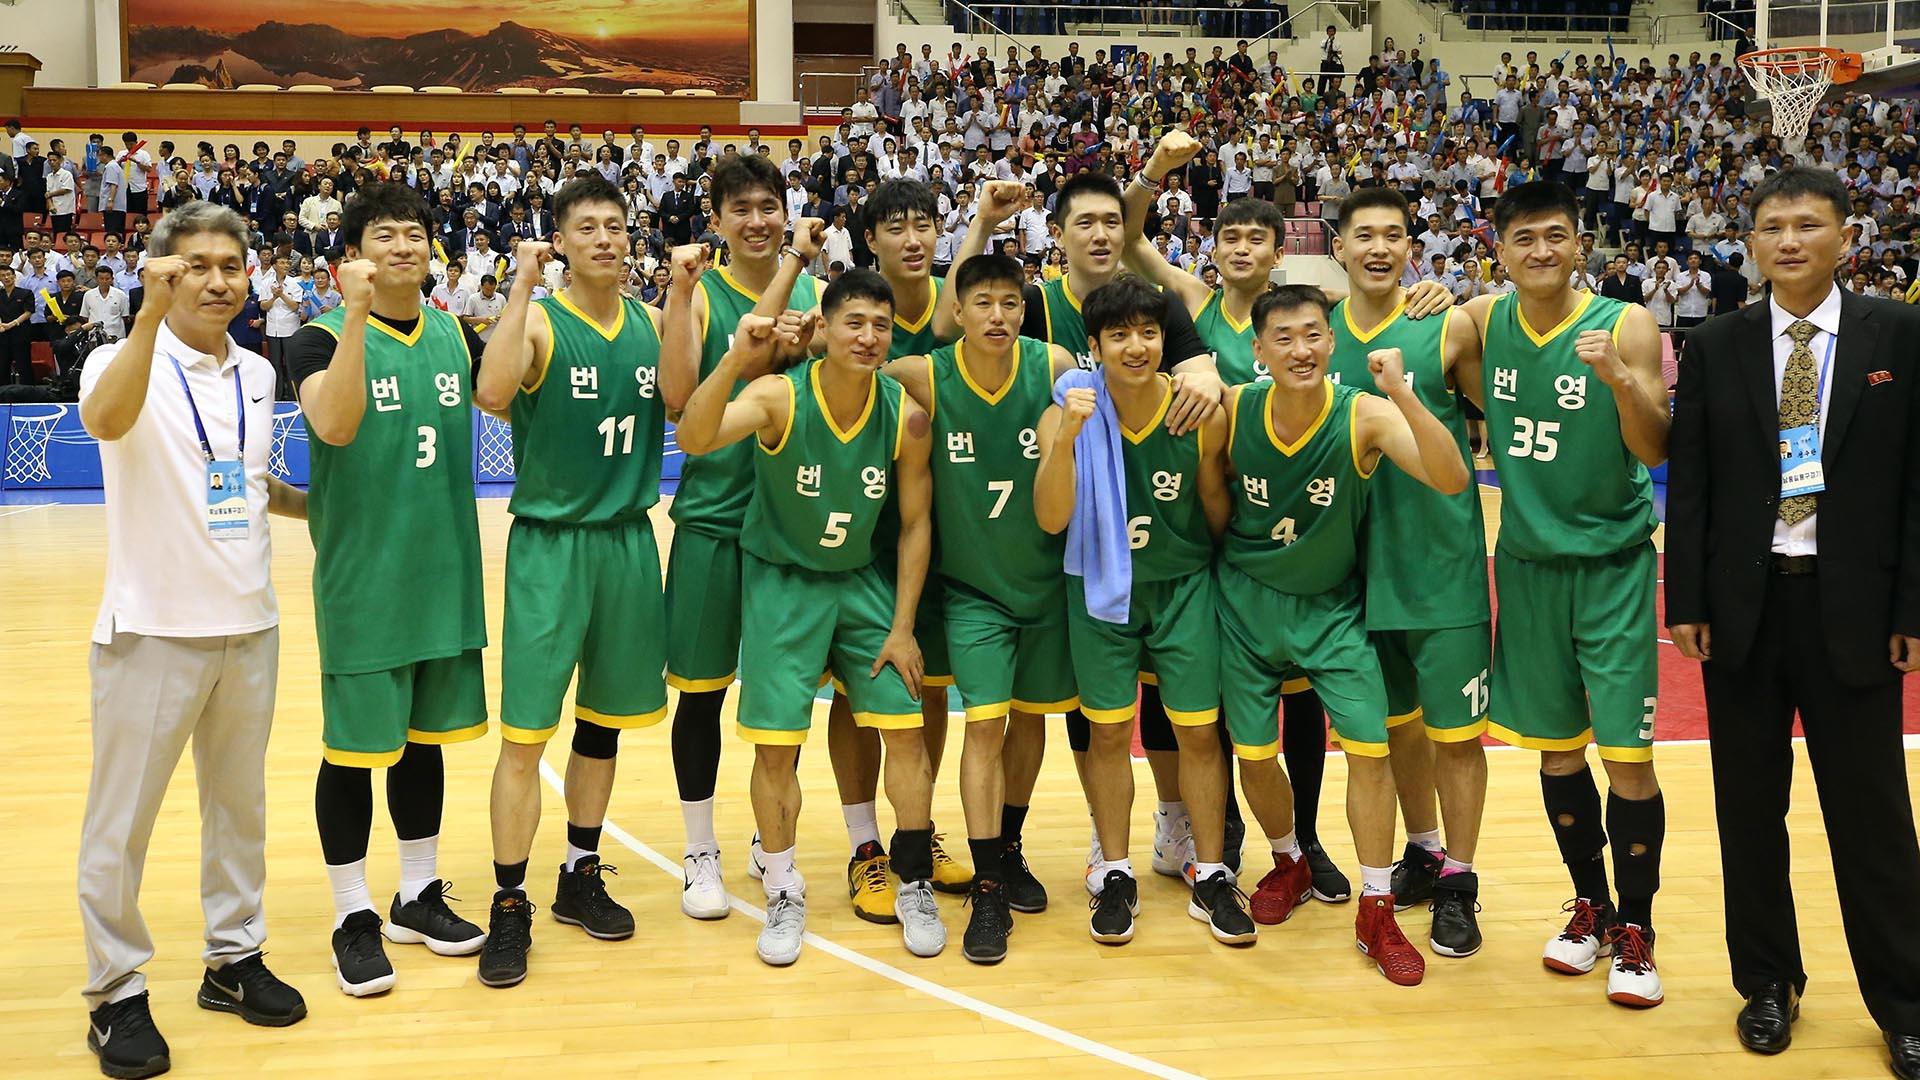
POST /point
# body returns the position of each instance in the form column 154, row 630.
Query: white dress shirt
column 1798, row 538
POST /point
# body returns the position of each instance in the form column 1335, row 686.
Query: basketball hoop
column 1793, row 80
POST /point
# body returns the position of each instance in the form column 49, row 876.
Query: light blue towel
column 1097, row 533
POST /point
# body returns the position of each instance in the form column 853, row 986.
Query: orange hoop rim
column 1843, row 66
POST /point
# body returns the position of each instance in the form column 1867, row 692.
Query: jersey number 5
column 836, row 532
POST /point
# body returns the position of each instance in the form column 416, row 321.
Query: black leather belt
column 1795, row 565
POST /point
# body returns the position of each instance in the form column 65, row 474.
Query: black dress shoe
column 1766, row 1021
column 1904, row 1051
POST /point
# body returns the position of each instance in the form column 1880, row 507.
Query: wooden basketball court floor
column 685, row 998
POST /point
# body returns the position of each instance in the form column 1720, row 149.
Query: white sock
column 417, row 860
column 1452, row 865
column 1428, row 840
column 863, row 824
column 1376, row 880
column 778, row 873
column 1106, row 866
column 349, row 890
column 1287, row 845
column 574, row 855
column 1204, row 870
column 1174, row 811
column 699, row 821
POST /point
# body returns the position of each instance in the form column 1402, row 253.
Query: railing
column 1149, row 16
column 1687, row 26
column 1471, row 25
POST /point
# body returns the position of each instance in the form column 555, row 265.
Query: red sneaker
column 1285, row 887
column 1377, row 935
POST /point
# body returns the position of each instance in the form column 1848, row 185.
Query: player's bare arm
column 510, row 363
column 117, row 398
column 1061, row 361
column 285, row 500
column 999, row 200
column 1198, row 393
column 794, row 338
column 1216, row 499
column 1053, row 484
column 914, row 490
column 680, row 331
column 1464, row 358
column 916, row 374
column 1631, row 369
column 710, row 421
column 333, row 401
column 1402, row 428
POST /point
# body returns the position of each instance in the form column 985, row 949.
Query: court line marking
column 888, row 971
column 24, row 509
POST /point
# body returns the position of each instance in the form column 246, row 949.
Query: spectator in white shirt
column 1659, row 292
column 1693, row 294
column 836, row 243
column 280, row 298
column 62, row 193
column 105, row 307
column 482, row 309
column 1663, row 212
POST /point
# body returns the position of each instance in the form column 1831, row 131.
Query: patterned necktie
column 1799, row 405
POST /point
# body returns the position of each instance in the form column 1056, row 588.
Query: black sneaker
column 1025, row 894
column 1220, row 904
column 429, row 921
column 359, row 960
column 122, row 1035
column 247, row 989
column 581, row 900
column 990, row 923
column 503, row 960
column 1114, row 909
column 1330, row 886
column 1414, row 876
column 1456, row 900
column 1236, row 835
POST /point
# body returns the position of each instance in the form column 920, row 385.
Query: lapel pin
column 1875, row 378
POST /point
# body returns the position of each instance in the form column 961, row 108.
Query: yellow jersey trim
column 442, row 738
column 820, row 398
column 1043, row 708
column 793, row 411
column 765, row 737
column 994, row 398
column 613, row 720
column 1220, row 297
column 1108, row 716
column 995, row 711
column 888, row 721
column 1296, row 686
column 1541, row 341
column 1528, row 742
column 1626, row 753
column 733, row 283
column 899, row 421
column 933, row 301
column 1461, row 734
column 1066, row 290
column 1195, row 718
column 1618, row 322
column 409, row 340
column 940, row 681
column 1353, row 440
column 354, row 759
column 1266, row 752
column 544, row 361
column 1292, row 448
column 619, row 320
column 1233, row 418
column 1159, row 415
column 1365, row 336
column 1404, row 718
column 699, row 686
column 1363, row 749
column 527, row 736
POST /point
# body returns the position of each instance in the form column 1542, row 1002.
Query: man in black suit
column 330, row 243
column 517, row 227
column 1793, row 573
column 539, row 218
column 677, row 208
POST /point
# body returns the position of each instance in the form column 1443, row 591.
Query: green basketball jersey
column 818, row 495
column 1426, row 552
column 1166, row 523
column 1298, row 508
column 1569, row 485
column 587, row 437
column 986, row 450
column 1065, row 325
column 396, row 537
column 1232, row 344
column 714, row 488
column 915, row 337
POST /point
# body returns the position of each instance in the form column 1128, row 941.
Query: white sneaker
column 705, row 894
column 779, row 943
column 1094, row 858
column 920, row 925
column 756, row 858
column 1173, row 846
column 1576, row 949
column 1633, row 980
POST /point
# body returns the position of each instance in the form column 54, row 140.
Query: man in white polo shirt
column 187, row 640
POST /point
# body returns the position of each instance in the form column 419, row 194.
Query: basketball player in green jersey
column 1151, row 599
column 578, row 372
column 703, row 566
column 1005, row 603
column 831, row 439
column 1301, row 451
column 1426, row 574
column 1576, row 413
column 385, row 386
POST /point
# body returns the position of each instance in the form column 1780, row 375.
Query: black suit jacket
column 330, row 244
column 1724, row 485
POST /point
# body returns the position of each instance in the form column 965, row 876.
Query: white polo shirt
column 165, row 576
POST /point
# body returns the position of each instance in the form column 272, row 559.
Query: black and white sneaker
column 1236, row 836
column 429, row 921
column 1114, row 908
column 359, row 959
column 1456, row 903
column 503, row 960
column 248, row 990
column 1330, row 886
column 1414, row 876
column 581, row 900
column 121, row 1034
column 1025, row 894
column 1220, row 904
column 990, row 923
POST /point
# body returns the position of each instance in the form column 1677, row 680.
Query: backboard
column 1886, row 34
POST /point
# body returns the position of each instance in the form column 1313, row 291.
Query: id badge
column 1800, row 469
column 226, row 500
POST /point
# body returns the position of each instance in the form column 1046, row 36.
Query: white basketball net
column 27, row 446
column 1792, row 81
column 286, row 425
column 496, row 447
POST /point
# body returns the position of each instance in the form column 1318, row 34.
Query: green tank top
column 1426, row 552
column 1569, row 486
column 587, row 438
column 986, row 450
column 819, row 494
column 1232, row 344
column 1298, row 508
column 915, row 338
column 396, row 537
column 1166, row 523
column 715, row 488
column 1065, row 325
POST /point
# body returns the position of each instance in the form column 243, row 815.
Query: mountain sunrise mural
column 602, row 46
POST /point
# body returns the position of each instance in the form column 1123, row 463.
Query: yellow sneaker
column 869, row 885
column 949, row 876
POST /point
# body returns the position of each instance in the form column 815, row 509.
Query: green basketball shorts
column 1170, row 629
column 1267, row 637
column 367, row 719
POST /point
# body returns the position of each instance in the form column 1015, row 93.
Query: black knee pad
column 591, row 740
column 1079, row 731
column 1635, row 823
column 1156, row 731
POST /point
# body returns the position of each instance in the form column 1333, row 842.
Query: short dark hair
column 1124, row 301
column 1535, row 199
column 856, row 284
column 1375, row 198
column 590, row 190
column 1252, row 212
column 987, row 270
column 383, row 201
column 740, row 174
column 1286, row 298
column 899, row 199
column 1086, row 182
column 1803, row 182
